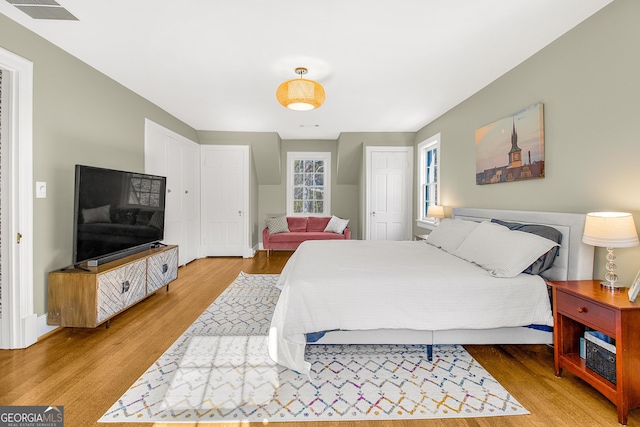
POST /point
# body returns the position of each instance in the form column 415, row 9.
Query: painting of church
column 511, row 149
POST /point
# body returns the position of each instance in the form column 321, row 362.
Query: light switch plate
column 41, row 190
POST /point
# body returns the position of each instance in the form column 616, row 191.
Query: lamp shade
column 300, row 94
column 435, row 211
column 610, row 230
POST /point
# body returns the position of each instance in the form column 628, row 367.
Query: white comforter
column 364, row 285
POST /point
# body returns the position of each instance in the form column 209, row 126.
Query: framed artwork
column 635, row 287
column 512, row 148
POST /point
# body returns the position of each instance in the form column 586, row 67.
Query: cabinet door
column 162, row 268
column 120, row 288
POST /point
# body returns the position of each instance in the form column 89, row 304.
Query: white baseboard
column 43, row 328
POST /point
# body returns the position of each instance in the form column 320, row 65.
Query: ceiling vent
column 43, row 9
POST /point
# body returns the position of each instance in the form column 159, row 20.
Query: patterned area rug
column 219, row 371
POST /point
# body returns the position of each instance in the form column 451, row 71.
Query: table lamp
column 610, row 230
column 435, row 211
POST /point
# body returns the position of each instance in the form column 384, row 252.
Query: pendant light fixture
column 300, row 94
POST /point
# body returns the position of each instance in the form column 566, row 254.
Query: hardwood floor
column 87, row 370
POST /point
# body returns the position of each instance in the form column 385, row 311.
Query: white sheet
column 363, row 285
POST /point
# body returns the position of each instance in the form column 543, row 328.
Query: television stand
column 89, row 297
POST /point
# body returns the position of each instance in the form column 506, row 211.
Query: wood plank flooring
column 87, row 370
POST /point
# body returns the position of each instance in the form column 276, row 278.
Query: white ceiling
column 386, row 65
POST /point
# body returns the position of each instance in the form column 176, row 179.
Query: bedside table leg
column 622, row 414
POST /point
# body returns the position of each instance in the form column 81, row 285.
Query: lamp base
column 612, row 286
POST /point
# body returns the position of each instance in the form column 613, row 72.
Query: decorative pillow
column 100, row 214
column 144, row 217
column 545, row 261
column 278, row 225
column 336, row 225
column 500, row 251
column 450, row 233
column 157, row 220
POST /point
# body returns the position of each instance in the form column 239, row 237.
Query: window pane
column 309, row 166
column 307, row 187
column 308, row 206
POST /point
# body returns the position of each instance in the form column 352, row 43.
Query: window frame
column 431, row 143
column 292, row 156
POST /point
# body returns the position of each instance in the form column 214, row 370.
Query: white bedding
column 368, row 285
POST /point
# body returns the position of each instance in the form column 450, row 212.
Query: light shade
column 610, row 230
column 435, row 211
column 300, row 94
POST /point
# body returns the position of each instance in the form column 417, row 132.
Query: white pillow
column 336, row 225
column 450, row 233
column 278, row 225
column 500, row 251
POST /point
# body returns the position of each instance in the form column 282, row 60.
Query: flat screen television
column 116, row 213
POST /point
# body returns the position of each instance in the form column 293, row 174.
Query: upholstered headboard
column 574, row 260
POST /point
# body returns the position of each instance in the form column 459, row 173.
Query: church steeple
column 515, row 155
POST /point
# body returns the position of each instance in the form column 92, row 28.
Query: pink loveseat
column 300, row 230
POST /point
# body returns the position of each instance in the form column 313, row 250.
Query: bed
column 380, row 292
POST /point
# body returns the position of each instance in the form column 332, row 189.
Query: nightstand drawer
column 586, row 312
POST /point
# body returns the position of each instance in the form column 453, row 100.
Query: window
column 144, row 190
column 308, row 184
column 429, row 178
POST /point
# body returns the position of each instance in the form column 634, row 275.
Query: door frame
column 368, row 184
column 19, row 323
column 247, row 250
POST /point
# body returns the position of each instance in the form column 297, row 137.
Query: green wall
column 589, row 82
column 80, row 117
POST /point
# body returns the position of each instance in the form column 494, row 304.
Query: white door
column 190, row 184
column 18, row 322
column 389, row 189
column 224, row 189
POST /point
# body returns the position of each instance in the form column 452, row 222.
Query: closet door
column 190, row 191
column 177, row 158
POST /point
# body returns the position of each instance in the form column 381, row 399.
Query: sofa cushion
column 297, row 223
column 317, row 223
column 296, row 237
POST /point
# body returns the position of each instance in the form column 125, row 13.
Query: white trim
column 19, row 322
column 429, row 143
column 408, row 189
column 307, row 155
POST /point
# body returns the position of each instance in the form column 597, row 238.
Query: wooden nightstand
column 581, row 303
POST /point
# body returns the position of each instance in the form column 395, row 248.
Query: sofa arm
column 347, row 233
column 265, row 238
